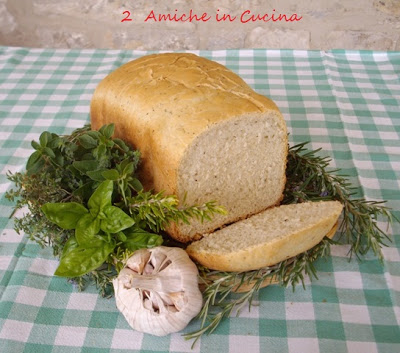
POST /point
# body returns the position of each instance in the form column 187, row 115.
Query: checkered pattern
column 346, row 102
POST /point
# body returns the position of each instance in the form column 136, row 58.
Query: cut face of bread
column 240, row 163
column 203, row 134
column 246, row 286
column 266, row 238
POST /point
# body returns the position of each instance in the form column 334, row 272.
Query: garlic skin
column 158, row 290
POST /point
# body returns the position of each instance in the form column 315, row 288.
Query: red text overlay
column 246, row 16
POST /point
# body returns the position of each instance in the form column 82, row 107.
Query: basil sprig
column 98, row 229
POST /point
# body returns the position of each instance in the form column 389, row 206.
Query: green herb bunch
column 86, row 202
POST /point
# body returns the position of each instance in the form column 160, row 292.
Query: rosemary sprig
column 159, row 210
column 307, row 179
column 219, row 286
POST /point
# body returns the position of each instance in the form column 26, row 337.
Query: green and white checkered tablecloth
column 347, row 102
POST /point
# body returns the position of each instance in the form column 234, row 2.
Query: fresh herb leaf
column 87, row 230
column 44, row 138
column 101, row 197
column 80, row 260
column 111, row 174
column 138, row 238
column 87, row 141
column 107, row 130
column 158, row 210
column 65, row 215
column 86, row 165
column 96, row 175
column 33, row 159
column 115, row 220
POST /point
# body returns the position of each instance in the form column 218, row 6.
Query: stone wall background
column 325, row 24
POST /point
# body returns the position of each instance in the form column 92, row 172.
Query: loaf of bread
column 203, row 134
column 267, row 238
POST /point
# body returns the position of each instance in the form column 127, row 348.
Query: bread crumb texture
column 267, row 237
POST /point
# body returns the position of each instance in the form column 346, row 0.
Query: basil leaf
column 116, row 220
column 87, row 230
column 139, row 239
column 81, row 260
column 69, row 245
column 101, row 197
column 65, row 215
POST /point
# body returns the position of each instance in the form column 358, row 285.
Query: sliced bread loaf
column 203, row 134
column 266, row 238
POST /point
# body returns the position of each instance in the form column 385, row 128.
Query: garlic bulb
column 158, row 290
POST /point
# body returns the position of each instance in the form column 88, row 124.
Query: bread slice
column 246, row 286
column 267, row 238
column 203, row 134
column 239, row 286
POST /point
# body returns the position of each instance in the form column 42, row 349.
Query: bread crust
column 161, row 103
column 268, row 253
column 245, row 287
